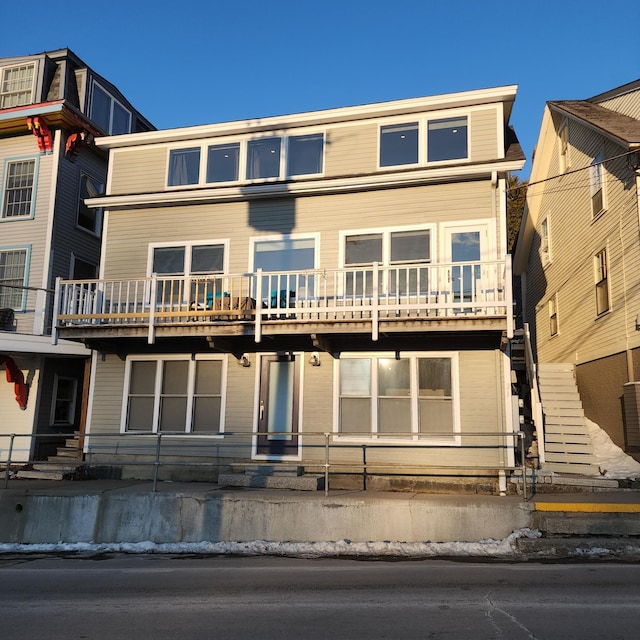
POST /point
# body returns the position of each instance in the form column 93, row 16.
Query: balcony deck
column 463, row 296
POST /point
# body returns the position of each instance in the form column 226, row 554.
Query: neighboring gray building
column 52, row 105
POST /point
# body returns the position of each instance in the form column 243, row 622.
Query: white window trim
column 415, row 438
column 243, row 141
column 423, row 124
column 34, row 82
column 191, row 359
column 54, row 397
column 34, row 188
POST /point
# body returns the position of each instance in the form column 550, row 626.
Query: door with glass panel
column 465, row 248
column 278, row 409
column 285, row 264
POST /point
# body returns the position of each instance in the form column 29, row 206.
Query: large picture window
column 389, row 248
column 411, row 396
column 18, row 191
column 174, row 394
column 13, row 273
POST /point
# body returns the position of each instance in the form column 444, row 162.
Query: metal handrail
column 330, row 441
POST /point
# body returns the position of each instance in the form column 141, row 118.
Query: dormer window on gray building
column 108, row 113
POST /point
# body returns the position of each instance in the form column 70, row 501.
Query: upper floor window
column 388, row 248
column 16, row 86
column 89, row 219
column 13, row 274
column 184, row 166
column 260, row 158
column 597, row 185
column 601, row 277
column 431, row 140
column 83, row 270
column 108, row 113
column 545, row 241
column 18, row 188
column 447, row 139
column 563, row 148
column 263, row 158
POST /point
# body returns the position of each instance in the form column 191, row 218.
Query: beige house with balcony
column 273, row 285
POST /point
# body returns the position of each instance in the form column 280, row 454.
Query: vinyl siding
column 628, row 104
column 484, row 137
column 139, row 170
column 351, row 150
column 126, row 254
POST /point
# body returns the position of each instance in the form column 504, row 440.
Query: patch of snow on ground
column 506, row 548
column 612, row 460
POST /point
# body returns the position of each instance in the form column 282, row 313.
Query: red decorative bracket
column 15, row 375
column 40, row 130
column 75, row 141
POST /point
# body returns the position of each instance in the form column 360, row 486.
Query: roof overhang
column 58, row 114
column 17, row 343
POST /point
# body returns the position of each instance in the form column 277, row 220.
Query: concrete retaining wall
column 135, row 514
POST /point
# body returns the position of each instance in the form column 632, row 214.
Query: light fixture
column 244, row 361
column 314, row 360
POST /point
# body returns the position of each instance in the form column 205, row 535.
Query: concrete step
column 268, row 469
column 67, row 452
column 44, row 475
column 306, row 482
column 65, row 465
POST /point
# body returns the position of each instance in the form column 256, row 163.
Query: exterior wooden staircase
column 63, row 466
column 568, row 446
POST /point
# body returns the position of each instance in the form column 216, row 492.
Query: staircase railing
column 536, row 404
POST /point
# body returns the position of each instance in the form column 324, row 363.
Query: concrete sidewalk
column 116, row 511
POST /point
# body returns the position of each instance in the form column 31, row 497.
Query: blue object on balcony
column 219, row 294
column 280, row 300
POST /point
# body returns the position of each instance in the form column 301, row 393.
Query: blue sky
column 197, row 61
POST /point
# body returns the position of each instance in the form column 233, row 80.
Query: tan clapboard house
column 52, row 105
column 272, row 286
column 579, row 256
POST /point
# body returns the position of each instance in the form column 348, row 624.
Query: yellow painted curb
column 588, row 507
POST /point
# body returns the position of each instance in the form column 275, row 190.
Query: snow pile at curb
column 614, row 463
column 344, row 548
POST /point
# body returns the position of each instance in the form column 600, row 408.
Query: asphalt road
column 140, row 597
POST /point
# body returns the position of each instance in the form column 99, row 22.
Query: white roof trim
column 327, row 116
column 310, row 187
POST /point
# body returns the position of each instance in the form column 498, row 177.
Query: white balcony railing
column 370, row 293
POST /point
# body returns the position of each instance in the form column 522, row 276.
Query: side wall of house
column 595, row 343
column 29, row 233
